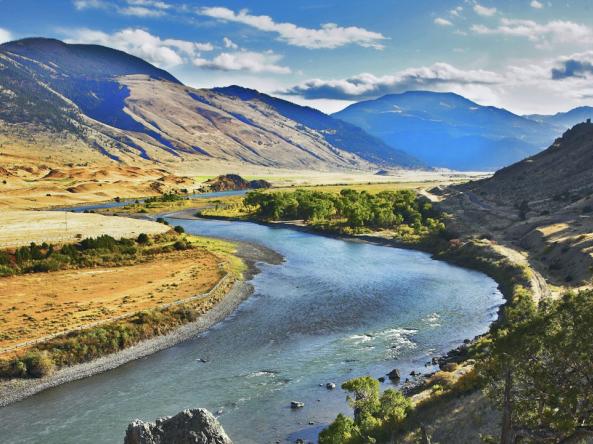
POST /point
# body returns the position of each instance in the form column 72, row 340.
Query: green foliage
column 376, row 416
column 544, row 360
column 167, row 197
column 179, row 229
column 142, row 239
column 349, row 211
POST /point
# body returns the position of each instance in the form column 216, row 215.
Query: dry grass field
column 23, row 227
column 33, row 306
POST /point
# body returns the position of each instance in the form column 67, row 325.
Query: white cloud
column 228, row 43
column 456, row 12
column 165, row 53
column 329, row 35
column 483, row 10
column 150, row 3
column 257, row 62
column 442, row 22
column 543, row 34
column 141, row 11
column 90, row 4
column 536, row 5
column 5, row 35
column 438, row 76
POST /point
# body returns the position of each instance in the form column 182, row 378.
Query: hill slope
column 448, row 130
column 542, row 204
column 109, row 102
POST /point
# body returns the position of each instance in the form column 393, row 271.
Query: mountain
column 97, row 100
column 565, row 120
column 448, row 130
column 559, row 175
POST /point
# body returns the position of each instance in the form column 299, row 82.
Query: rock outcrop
column 192, row 426
column 233, row 182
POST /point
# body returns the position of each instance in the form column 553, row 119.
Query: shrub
column 6, row 271
column 180, row 245
column 38, row 364
column 179, row 229
column 142, row 238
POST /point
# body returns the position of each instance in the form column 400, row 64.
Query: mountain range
column 77, row 102
column 130, row 111
column 448, row 130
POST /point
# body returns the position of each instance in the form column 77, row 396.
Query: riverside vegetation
column 409, row 216
column 86, row 344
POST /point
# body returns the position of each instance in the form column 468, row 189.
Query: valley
column 415, row 267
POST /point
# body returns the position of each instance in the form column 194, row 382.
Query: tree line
column 355, row 210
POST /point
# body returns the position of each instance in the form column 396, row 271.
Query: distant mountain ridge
column 565, row 120
column 448, row 130
column 130, row 111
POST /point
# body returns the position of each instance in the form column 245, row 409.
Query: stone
column 191, row 426
column 381, row 379
column 330, row 386
column 297, row 404
column 394, row 375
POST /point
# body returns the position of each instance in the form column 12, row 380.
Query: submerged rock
column 297, row 404
column 195, row 426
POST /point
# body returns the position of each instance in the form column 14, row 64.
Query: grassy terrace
column 102, row 295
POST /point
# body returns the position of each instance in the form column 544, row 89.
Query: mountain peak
column 82, row 60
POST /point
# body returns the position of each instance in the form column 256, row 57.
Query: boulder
column 394, row 375
column 330, row 386
column 192, row 426
column 297, row 404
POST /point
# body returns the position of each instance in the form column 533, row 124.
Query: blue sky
column 530, row 56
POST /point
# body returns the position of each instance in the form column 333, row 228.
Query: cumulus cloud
column 442, row 22
column 228, row 43
column 256, row 62
column 536, row 5
column 366, row 85
column 483, row 10
column 165, row 53
column 543, row 34
column 5, row 35
column 329, row 35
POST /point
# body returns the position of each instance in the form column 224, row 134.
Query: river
column 332, row 311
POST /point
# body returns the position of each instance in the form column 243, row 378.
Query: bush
column 179, row 229
column 38, row 364
column 180, row 245
column 142, row 238
column 6, row 271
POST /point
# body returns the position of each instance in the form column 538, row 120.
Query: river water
column 332, row 311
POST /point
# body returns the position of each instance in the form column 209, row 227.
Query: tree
column 376, row 416
column 540, row 370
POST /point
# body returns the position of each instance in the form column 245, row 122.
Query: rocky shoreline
column 18, row 389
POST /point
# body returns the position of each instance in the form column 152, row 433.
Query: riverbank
column 18, row 389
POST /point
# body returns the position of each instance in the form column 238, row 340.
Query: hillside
column 448, row 130
column 543, row 205
column 108, row 102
